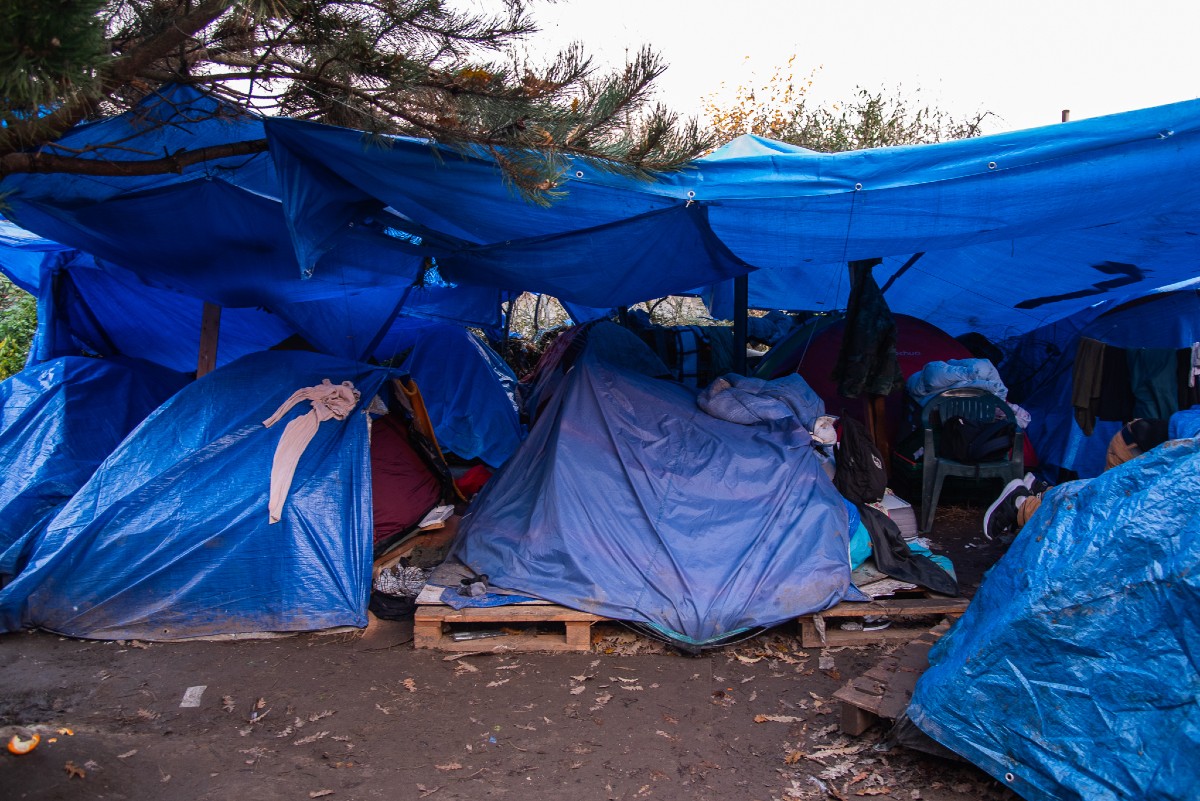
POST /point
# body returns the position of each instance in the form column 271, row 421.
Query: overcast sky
column 1025, row 61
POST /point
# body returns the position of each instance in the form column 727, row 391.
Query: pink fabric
column 329, row 402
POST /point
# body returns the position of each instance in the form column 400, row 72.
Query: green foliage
column 781, row 110
column 18, row 323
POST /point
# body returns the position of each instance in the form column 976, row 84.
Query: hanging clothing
column 1155, row 388
column 1085, row 383
column 329, row 402
column 1116, row 392
column 867, row 361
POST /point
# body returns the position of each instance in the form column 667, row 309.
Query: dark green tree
column 415, row 67
column 18, row 323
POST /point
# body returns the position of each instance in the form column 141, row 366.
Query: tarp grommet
column 991, row 165
column 1008, row 777
column 579, row 173
column 857, row 187
column 691, row 193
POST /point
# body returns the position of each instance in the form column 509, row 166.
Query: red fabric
column 473, row 480
column 403, row 489
column 917, row 344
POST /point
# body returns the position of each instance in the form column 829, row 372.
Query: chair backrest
column 972, row 403
column 980, row 409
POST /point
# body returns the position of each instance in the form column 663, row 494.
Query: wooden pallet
column 885, row 690
column 899, row 610
column 431, row 623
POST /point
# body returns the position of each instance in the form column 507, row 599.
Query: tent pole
column 507, row 326
column 741, row 304
column 210, row 331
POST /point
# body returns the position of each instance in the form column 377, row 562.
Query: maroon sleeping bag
column 402, row 487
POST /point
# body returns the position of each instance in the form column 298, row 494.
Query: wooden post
column 210, row 330
column 741, row 304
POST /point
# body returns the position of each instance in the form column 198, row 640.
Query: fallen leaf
column 793, row 757
column 65, row 731
column 875, row 791
column 410, row 685
column 578, row 690
column 74, row 771
column 384, row 711
column 138, row 644
column 620, row 678
column 314, row 717
column 503, row 681
column 777, row 719
column 312, row 738
column 465, row 667
column 581, row 678
column 449, row 766
column 632, row 687
column 261, row 703
column 227, row 703
column 601, row 700
column 526, row 728
column 146, row 714
column 746, row 660
column 166, row 777
column 320, row 793
column 287, row 732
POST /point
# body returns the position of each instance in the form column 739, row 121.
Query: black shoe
column 1001, row 517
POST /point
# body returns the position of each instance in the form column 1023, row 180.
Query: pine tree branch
column 175, row 163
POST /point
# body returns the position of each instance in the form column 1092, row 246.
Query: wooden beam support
column 210, row 331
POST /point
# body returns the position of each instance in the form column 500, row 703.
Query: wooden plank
column 511, row 613
column 836, row 637
column 430, row 620
column 899, row 607
column 210, row 331
column 886, row 690
column 856, row 720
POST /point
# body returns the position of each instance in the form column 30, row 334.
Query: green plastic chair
column 978, row 406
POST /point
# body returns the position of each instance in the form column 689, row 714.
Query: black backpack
column 974, row 443
column 860, row 475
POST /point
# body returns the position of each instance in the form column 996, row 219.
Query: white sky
column 1025, row 61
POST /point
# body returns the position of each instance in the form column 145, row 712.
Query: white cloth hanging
column 329, row 402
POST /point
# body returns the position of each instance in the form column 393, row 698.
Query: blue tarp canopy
column 58, row 422
column 628, row 501
column 217, row 232
column 170, row 537
column 333, row 231
column 998, row 234
column 1074, row 674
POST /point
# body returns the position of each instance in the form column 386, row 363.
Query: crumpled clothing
column 406, row 582
column 329, row 402
column 936, row 377
column 1023, row 417
column 750, row 401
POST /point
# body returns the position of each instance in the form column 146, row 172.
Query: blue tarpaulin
column 58, row 422
column 170, row 537
column 1074, row 674
column 469, row 392
column 628, row 501
column 999, row 234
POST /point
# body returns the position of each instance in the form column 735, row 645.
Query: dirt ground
column 348, row 716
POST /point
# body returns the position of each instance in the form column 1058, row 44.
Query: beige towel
column 329, row 402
